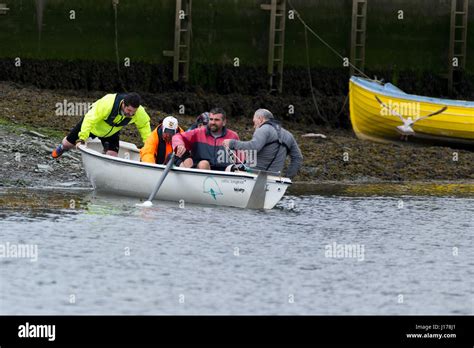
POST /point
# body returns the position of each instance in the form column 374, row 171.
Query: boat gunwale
column 270, row 178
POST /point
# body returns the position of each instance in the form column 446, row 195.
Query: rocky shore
column 30, row 128
column 25, row 157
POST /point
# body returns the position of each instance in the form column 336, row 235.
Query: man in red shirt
column 205, row 144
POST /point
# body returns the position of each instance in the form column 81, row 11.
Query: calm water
column 339, row 250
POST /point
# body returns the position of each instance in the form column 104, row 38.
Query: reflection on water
column 25, row 200
column 325, row 249
column 385, row 189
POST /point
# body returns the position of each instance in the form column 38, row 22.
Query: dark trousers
column 109, row 143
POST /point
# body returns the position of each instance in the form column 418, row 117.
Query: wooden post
column 182, row 40
column 358, row 34
column 4, row 9
column 276, row 43
column 464, row 32
column 457, row 39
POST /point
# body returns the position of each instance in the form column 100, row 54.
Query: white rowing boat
column 126, row 175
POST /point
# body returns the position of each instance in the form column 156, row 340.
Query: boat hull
column 370, row 121
column 126, row 176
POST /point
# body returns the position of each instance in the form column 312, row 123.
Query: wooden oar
column 234, row 157
column 148, row 203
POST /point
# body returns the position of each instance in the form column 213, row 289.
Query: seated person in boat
column 104, row 120
column 157, row 148
column 201, row 121
column 273, row 144
column 205, row 144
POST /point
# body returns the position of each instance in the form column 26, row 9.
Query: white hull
column 125, row 175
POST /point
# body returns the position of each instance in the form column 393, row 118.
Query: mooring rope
column 343, row 106
column 117, row 56
column 311, row 79
column 40, row 4
column 325, row 43
column 308, row 28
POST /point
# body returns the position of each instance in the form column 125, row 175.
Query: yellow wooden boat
column 384, row 113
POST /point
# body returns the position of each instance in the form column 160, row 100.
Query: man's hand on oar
column 180, row 150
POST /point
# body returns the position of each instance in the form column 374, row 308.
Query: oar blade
column 146, row 204
column 259, row 191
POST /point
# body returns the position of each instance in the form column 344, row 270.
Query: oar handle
column 234, row 156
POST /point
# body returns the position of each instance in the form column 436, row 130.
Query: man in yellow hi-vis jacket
column 104, row 120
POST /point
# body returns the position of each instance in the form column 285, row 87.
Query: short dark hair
column 203, row 118
column 132, row 99
column 218, row 111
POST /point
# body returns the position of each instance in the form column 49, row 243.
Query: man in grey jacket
column 272, row 143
